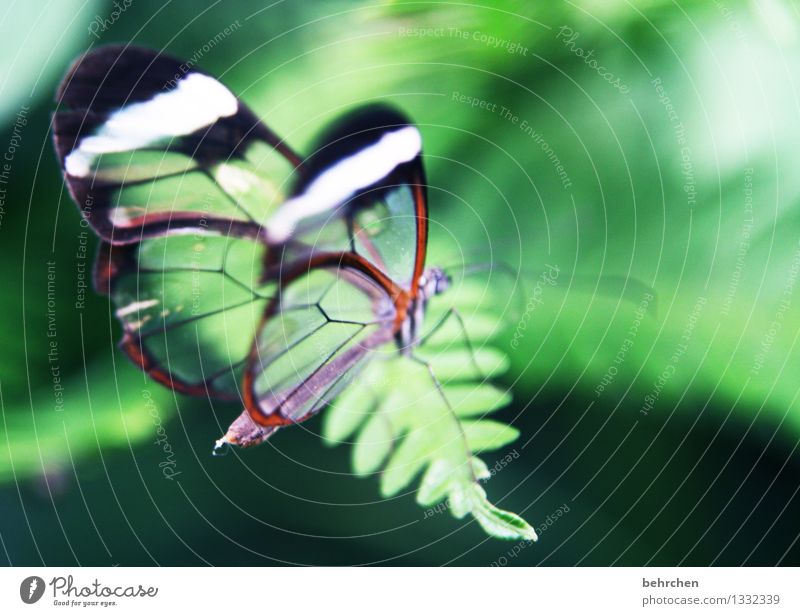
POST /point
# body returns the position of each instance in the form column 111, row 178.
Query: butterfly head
column 434, row 281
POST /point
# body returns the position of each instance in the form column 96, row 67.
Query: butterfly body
column 433, row 282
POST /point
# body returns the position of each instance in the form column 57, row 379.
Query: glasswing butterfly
column 224, row 287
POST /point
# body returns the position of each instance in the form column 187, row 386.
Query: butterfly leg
column 438, row 385
column 454, row 313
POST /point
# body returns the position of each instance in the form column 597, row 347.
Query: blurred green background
column 654, row 142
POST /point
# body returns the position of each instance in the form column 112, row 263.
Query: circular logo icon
column 31, row 589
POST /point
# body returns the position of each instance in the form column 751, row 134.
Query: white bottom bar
column 389, row 591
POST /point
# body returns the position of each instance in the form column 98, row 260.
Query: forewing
column 150, row 147
column 362, row 190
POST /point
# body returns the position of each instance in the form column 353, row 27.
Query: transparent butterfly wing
column 189, row 306
column 317, row 335
column 176, row 176
column 363, row 190
column 148, row 147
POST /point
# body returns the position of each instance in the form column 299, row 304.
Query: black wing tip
column 354, row 130
column 127, row 72
column 103, row 55
column 377, row 116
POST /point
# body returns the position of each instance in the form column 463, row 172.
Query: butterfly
column 238, row 269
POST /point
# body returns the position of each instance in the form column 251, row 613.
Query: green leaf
column 42, row 436
column 372, row 445
column 459, row 364
column 479, row 325
column 476, row 399
column 497, row 522
column 487, row 435
column 418, row 426
column 435, row 483
column 460, row 501
column 411, row 455
column 344, row 417
column 480, row 469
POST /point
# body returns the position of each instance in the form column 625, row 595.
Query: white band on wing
column 196, row 102
column 340, row 182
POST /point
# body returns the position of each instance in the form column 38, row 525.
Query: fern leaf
column 401, row 423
